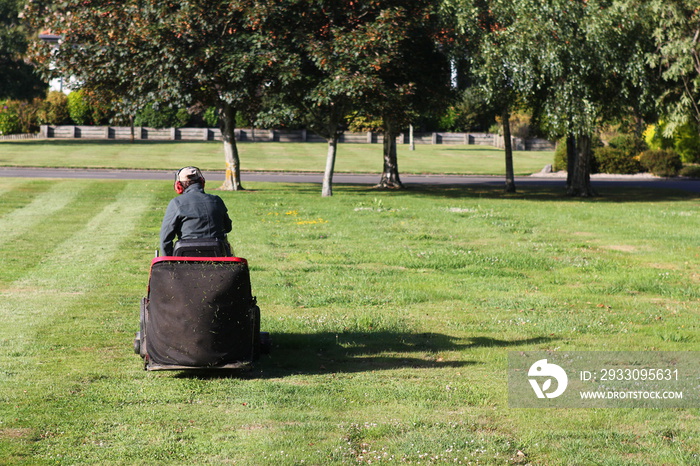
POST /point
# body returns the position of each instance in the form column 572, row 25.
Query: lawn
column 305, row 157
column 392, row 315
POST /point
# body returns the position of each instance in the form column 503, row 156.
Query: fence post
column 434, row 138
column 44, row 131
column 369, row 137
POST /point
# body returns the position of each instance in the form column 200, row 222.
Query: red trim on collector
column 156, row 260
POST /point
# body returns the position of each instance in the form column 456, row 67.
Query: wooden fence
column 264, row 135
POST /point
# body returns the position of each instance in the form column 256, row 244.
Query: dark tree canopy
column 18, row 79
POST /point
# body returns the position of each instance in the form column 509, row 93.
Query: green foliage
column 360, row 122
column 615, row 160
column 630, row 144
column 470, row 114
column 9, row 119
column 676, row 55
column 54, row 110
column 560, row 156
column 690, row 171
column 684, row 139
column 79, row 108
column 17, row 75
column 211, row 117
column 161, row 116
column 19, row 116
column 661, row 162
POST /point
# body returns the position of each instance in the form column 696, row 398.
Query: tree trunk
column 390, row 173
column 507, row 143
column 131, row 124
column 327, row 189
column 581, row 179
column 227, row 125
column 571, row 157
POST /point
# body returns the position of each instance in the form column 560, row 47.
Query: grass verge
column 392, row 315
column 309, row 157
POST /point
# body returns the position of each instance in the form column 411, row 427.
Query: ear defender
column 193, row 173
column 178, row 187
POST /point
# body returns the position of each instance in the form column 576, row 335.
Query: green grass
column 352, row 158
column 392, row 315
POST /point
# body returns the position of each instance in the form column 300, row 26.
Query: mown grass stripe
column 23, row 219
column 80, row 201
column 76, row 265
column 76, row 262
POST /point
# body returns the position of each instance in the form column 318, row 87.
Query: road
column 598, row 181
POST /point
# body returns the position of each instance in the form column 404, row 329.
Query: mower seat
column 206, row 247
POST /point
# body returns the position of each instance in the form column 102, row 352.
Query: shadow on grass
column 353, row 352
column 541, row 190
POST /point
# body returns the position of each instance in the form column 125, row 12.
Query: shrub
column 79, row 108
column 54, row 111
column 614, row 160
column 661, row 162
column 161, row 116
column 211, row 117
column 631, row 144
column 470, row 113
column 560, row 156
column 685, row 140
column 19, row 116
column 9, row 119
column 690, row 171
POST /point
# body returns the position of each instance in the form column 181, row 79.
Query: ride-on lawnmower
column 199, row 312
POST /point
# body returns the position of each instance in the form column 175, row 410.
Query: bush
column 661, row 162
column 560, row 156
column 690, row 171
column 54, row 111
column 211, row 117
column 79, row 108
column 629, row 144
column 19, row 117
column 685, row 140
column 161, row 116
column 470, row 113
column 9, row 120
column 613, row 160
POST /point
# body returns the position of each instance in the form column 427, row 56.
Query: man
column 194, row 214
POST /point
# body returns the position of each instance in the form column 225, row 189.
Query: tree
column 414, row 78
column 574, row 63
column 342, row 44
column 222, row 53
column 18, row 79
column 487, row 32
column 677, row 35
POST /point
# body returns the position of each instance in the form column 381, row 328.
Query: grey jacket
column 193, row 215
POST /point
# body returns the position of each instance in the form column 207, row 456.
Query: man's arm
column 226, row 219
column 169, row 229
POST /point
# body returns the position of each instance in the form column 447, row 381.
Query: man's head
column 187, row 176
